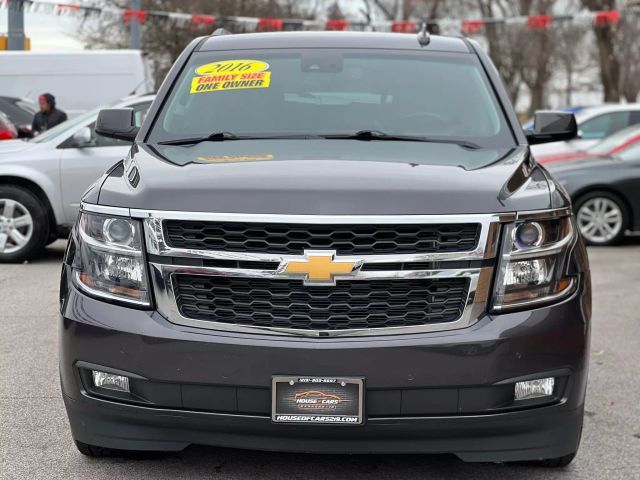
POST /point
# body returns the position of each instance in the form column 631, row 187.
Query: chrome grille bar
column 162, row 273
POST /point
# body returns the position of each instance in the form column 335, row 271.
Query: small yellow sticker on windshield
column 231, row 75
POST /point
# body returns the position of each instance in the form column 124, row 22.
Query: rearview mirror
column 551, row 126
column 118, row 123
column 82, row 137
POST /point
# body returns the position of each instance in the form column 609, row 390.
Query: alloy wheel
column 16, row 226
column 600, row 219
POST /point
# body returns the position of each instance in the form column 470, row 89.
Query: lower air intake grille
column 347, row 305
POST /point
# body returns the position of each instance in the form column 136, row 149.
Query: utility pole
column 15, row 19
column 135, row 26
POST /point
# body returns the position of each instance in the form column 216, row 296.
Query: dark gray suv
column 328, row 242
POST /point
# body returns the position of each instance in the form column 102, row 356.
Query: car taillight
column 7, row 134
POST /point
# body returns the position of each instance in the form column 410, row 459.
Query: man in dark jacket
column 48, row 116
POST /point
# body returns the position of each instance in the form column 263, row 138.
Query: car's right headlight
column 109, row 261
column 532, row 267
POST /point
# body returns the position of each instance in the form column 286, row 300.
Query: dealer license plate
column 317, row 400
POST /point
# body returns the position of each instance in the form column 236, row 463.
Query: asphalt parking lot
column 35, row 442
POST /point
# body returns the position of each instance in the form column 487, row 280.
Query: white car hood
column 10, row 146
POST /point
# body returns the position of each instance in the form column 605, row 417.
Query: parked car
column 605, row 190
column 312, row 215
column 8, row 130
column 594, row 124
column 612, row 145
column 21, row 112
column 43, row 179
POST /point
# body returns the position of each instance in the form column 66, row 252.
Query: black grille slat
column 347, row 305
column 293, row 239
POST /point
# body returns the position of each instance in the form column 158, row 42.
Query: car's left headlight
column 110, row 262
column 532, row 268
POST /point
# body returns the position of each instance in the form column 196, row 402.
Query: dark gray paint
column 325, row 177
column 330, row 177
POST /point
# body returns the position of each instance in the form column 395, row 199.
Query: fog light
column 542, row 387
column 110, row 381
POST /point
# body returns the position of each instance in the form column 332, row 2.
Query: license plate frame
column 313, row 400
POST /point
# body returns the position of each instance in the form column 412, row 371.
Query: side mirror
column 82, row 137
column 118, row 123
column 24, row 131
column 552, row 127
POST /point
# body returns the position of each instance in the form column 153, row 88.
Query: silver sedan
column 42, row 180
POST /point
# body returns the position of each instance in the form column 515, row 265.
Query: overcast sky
column 47, row 31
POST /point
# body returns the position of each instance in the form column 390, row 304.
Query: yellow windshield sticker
column 234, row 158
column 231, row 75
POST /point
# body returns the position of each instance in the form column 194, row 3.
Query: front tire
column 602, row 218
column 24, row 224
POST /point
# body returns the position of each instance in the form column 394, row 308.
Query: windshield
column 618, row 141
column 333, row 92
column 631, row 153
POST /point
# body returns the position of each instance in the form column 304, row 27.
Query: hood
column 11, row 146
column 328, row 177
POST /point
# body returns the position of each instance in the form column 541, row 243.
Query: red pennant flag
column 139, row 15
column 66, row 8
column 270, row 25
column 198, row 20
column 337, row 25
column 403, row 27
column 607, row 17
column 471, row 27
column 539, row 22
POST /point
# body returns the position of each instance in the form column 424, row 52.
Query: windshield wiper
column 378, row 135
column 214, row 137
column 223, row 136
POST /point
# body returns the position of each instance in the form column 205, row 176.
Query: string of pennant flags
column 475, row 26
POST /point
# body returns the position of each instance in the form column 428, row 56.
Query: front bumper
column 425, row 393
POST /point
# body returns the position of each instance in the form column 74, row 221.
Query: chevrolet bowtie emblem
column 319, row 267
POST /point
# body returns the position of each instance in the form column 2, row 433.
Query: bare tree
column 570, row 55
column 334, row 12
column 163, row 40
column 403, row 10
column 627, row 48
column 539, row 47
column 608, row 58
column 505, row 45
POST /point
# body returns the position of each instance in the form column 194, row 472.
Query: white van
column 80, row 81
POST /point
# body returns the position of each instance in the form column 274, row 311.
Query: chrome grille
column 294, row 239
column 288, row 304
column 248, row 288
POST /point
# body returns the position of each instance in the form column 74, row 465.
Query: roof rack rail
column 220, row 31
